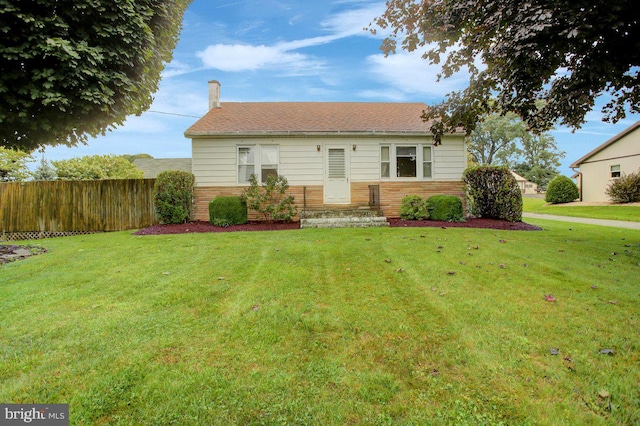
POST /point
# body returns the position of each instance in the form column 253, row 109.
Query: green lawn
column 617, row 212
column 353, row 326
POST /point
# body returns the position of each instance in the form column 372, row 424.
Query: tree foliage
column 73, row 69
column 13, row 165
column 566, row 53
column 494, row 139
column 93, row 167
column 504, row 140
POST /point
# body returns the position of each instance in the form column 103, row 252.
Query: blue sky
column 290, row 50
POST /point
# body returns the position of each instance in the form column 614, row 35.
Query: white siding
column 449, row 159
column 215, row 160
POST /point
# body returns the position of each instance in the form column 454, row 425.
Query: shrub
column 445, row 207
column 227, row 211
column 173, row 196
column 413, row 207
column 561, row 189
column 625, row 189
column 493, row 193
column 270, row 199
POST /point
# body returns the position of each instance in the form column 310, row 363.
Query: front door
column 336, row 182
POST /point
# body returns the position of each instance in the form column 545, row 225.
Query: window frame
column 258, row 162
column 617, row 173
column 393, row 161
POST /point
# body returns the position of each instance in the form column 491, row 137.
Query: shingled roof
column 303, row 118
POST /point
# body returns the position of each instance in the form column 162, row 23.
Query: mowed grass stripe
column 314, row 327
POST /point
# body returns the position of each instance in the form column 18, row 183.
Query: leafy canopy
column 13, row 165
column 566, row 53
column 92, row 167
column 73, row 69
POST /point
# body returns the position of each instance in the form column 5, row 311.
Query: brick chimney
column 214, row 94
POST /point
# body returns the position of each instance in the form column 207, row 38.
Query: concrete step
column 344, row 222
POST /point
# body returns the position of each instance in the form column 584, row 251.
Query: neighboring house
column 334, row 155
column 618, row 156
column 152, row 166
column 526, row 186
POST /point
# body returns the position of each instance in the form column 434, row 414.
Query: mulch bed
column 197, row 227
column 470, row 223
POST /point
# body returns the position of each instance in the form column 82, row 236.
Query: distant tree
column 494, row 139
column 566, row 53
column 503, row 140
column 73, row 69
column 44, row 171
column 13, row 165
column 96, row 167
column 539, row 158
column 133, row 157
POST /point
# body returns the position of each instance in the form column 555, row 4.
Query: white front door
column 336, row 181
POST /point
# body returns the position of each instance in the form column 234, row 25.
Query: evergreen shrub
column 173, row 196
column 227, row 210
column 560, row 190
column 493, row 193
column 413, row 207
column 445, row 207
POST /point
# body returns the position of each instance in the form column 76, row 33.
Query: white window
column 426, row 161
column 261, row 160
column 408, row 161
column 385, row 161
column 615, row 171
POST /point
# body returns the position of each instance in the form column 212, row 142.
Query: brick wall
column 391, row 194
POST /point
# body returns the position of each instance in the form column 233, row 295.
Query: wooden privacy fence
column 59, row 207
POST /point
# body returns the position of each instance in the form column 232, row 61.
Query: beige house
column 526, row 186
column 618, row 156
column 334, row 155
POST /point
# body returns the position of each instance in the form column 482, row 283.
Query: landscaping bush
column 227, row 211
column 493, row 193
column 413, row 207
column 173, row 196
column 625, row 189
column 270, row 199
column 561, row 189
column 445, row 207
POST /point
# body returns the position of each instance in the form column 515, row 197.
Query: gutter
column 579, row 173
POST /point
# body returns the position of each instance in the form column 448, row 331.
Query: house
column 526, row 186
column 334, row 155
column 152, row 166
column 618, row 156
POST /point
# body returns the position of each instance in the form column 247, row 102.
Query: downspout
column 579, row 181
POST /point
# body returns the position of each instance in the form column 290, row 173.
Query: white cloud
column 244, row 57
column 408, row 73
column 238, row 57
column 353, row 22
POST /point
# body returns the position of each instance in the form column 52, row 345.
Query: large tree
column 566, row 53
column 76, row 68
